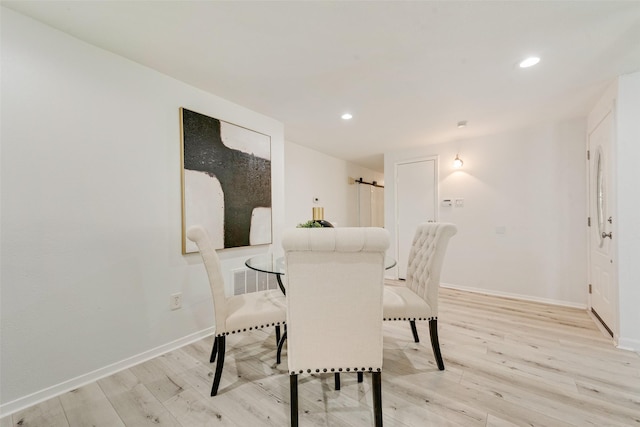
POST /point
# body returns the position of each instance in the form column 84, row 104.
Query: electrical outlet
column 176, row 301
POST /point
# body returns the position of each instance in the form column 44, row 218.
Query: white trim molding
column 629, row 344
column 515, row 296
column 9, row 408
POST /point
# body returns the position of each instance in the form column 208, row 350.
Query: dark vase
column 324, row 223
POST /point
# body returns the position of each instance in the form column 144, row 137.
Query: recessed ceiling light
column 529, row 62
column 347, row 116
column 462, row 123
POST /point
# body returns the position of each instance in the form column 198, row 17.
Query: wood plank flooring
column 508, row 363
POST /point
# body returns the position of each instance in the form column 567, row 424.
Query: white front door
column 601, row 216
column 416, row 202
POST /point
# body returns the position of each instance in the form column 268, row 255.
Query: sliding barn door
column 370, row 205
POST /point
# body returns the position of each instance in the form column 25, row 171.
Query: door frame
column 436, row 196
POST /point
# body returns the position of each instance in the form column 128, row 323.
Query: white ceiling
column 408, row 71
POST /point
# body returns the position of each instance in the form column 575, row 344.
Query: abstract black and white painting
column 226, row 182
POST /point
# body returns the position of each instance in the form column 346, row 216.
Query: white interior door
column 601, row 247
column 416, row 202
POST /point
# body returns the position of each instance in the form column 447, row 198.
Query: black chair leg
column 283, row 338
column 336, row 376
column 377, row 398
column 414, row 331
column 277, row 334
column 360, row 377
column 293, row 389
column 219, row 365
column 435, row 344
column 214, row 350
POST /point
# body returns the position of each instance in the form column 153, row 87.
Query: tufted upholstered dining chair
column 328, row 270
column 238, row 313
column 417, row 299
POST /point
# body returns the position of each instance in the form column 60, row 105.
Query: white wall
column 91, row 225
column 310, row 174
column 628, row 208
column 530, row 184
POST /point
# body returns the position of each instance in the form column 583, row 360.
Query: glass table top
column 270, row 263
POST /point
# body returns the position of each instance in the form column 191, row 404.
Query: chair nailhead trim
column 317, row 370
column 250, row 328
column 388, row 319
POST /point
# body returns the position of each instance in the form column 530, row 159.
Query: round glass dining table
column 273, row 264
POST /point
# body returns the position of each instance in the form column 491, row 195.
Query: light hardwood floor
column 508, row 363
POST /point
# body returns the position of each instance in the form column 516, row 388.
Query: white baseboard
column 629, row 344
column 515, row 296
column 74, row 383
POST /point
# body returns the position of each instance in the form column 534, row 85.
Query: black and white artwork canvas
column 226, row 182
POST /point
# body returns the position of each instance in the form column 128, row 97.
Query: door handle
column 609, row 235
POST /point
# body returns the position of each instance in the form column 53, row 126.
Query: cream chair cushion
column 401, row 303
column 254, row 310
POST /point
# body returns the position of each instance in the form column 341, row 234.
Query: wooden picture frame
column 226, row 182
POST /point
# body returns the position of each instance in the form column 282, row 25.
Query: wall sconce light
column 457, row 162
